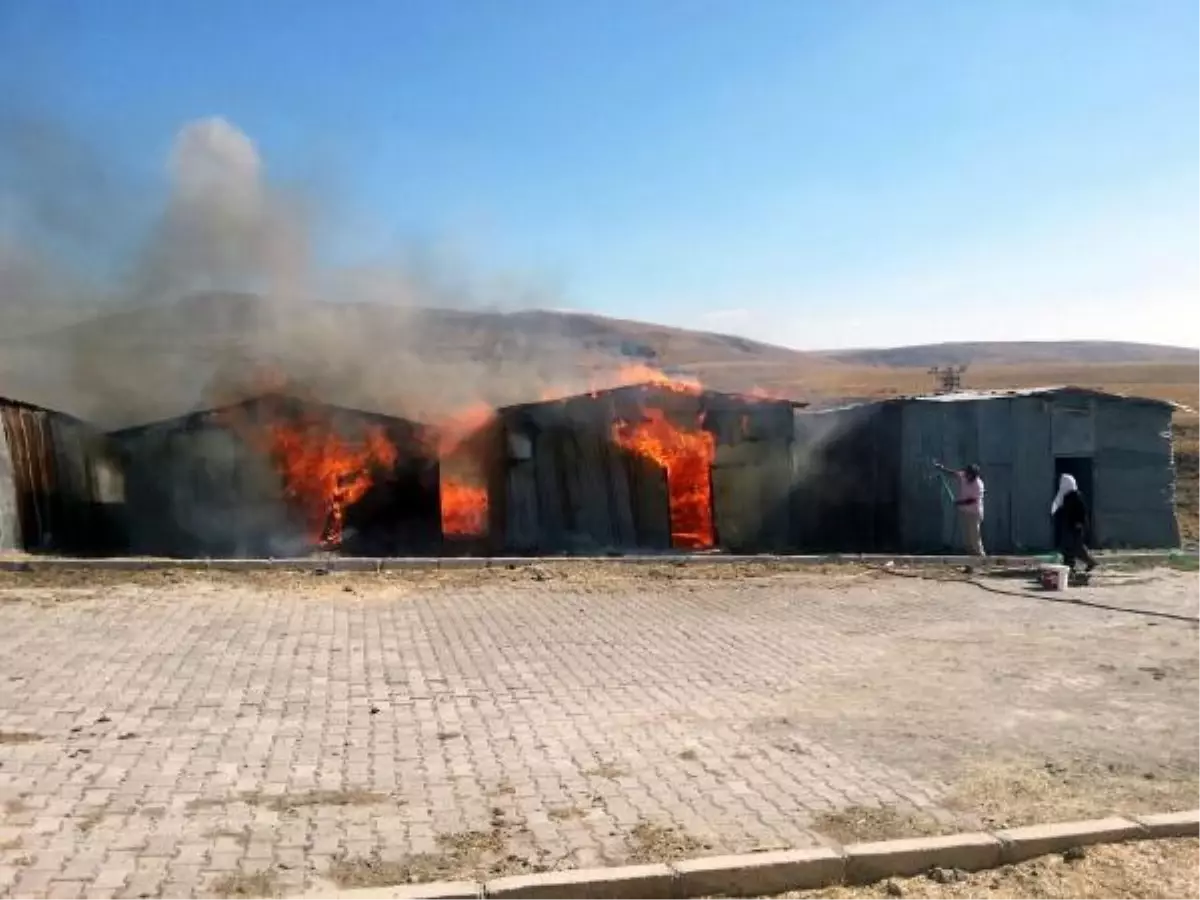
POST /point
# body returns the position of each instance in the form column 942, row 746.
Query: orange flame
column 687, row 455
column 628, row 374
column 323, row 473
column 464, row 500
column 640, row 373
column 762, row 393
column 464, row 509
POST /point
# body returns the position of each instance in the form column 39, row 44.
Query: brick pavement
column 167, row 735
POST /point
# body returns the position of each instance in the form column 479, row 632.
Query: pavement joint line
column 776, row 872
column 435, row 563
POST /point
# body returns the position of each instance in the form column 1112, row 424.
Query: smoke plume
column 119, row 308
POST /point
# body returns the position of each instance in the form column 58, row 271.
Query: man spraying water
column 969, row 503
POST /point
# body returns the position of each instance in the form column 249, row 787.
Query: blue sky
column 816, row 173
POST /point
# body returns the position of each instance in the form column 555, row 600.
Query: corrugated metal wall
column 196, row 488
column 1018, row 440
column 1134, row 476
column 1033, row 474
column 59, row 489
column 846, row 493
column 564, row 485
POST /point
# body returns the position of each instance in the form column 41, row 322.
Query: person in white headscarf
column 1070, row 513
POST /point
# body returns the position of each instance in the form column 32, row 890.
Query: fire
column 323, row 473
column 464, row 498
column 464, row 509
column 625, row 375
column 687, row 455
column 762, row 393
column 640, row 373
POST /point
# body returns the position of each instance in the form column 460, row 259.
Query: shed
column 865, row 482
column 278, row 476
column 60, row 488
column 648, row 467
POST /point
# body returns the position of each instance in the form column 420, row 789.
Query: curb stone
column 1037, row 840
column 759, row 874
column 776, row 872
column 884, row 859
column 1167, row 825
column 621, row 883
column 433, row 890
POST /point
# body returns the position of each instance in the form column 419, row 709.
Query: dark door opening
column 1079, row 468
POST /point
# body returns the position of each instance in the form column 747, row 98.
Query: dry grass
column 1014, row 793
column 254, row 884
column 289, row 802
column 468, row 854
column 855, row 824
column 651, row 843
column 1187, row 479
column 284, row 803
column 18, row 737
column 1024, row 793
column 1143, row 869
column 609, row 770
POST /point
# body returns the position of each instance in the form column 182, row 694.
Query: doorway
column 1079, row 468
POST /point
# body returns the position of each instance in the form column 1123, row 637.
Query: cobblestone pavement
column 187, row 734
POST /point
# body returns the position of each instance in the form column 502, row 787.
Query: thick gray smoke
column 121, row 313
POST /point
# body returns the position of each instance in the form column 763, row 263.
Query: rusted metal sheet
column 10, row 519
column 57, row 490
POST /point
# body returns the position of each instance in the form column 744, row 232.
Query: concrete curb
column 400, row 563
column 776, row 872
column 887, row 859
column 1020, row 844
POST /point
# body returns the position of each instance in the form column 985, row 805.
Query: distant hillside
column 1002, row 353
column 136, row 365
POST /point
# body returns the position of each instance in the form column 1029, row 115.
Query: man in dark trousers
column 1070, row 513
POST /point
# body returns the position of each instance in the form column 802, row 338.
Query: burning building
column 60, row 487
column 649, row 467
column 865, row 480
column 278, row 476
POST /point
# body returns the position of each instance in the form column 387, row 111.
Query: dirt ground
column 1142, row 869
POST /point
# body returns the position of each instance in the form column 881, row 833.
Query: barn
column 60, row 487
column 864, row 479
column 276, row 476
column 643, row 468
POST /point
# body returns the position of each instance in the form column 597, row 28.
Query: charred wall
column 61, row 490
column 561, row 483
column 846, row 480
column 202, row 486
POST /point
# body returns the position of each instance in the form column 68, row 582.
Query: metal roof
column 1004, row 394
column 1050, row 390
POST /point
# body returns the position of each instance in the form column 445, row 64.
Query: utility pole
column 947, row 380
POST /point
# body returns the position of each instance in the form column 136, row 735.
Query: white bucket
column 1055, row 578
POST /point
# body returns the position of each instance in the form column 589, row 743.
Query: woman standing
column 1070, row 514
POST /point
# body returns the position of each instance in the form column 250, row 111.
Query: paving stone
column 603, row 717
